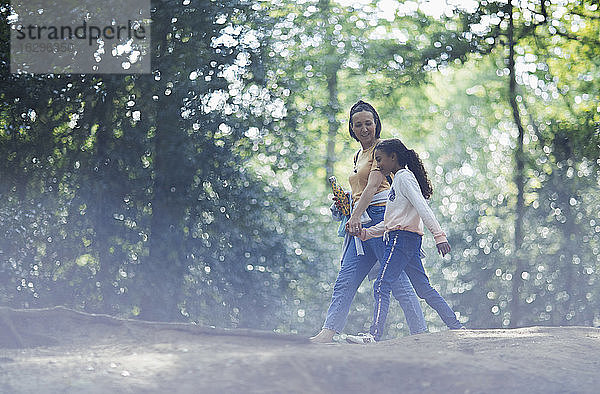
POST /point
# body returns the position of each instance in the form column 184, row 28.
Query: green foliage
column 135, row 195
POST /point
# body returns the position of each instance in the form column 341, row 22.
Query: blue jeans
column 402, row 256
column 353, row 271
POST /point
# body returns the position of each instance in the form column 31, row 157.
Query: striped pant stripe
column 379, row 285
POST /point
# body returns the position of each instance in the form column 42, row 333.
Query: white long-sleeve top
column 407, row 209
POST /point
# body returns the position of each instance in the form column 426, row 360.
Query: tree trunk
column 162, row 266
column 100, row 212
column 515, row 313
column 332, row 66
column 331, row 112
column 162, row 271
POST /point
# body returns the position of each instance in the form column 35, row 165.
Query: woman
column 369, row 190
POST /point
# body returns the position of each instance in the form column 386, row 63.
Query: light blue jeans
column 403, row 257
column 353, row 271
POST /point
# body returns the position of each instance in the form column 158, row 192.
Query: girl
column 402, row 227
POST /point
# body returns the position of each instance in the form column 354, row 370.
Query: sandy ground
column 61, row 351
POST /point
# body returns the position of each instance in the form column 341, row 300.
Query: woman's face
column 363, row 126
column 386, row 163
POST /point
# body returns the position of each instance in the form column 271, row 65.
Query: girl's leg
column 403, row 291
column 353, row 271
column 394, row 261
column 420, row 281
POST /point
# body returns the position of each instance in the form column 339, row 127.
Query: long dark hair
column 364, row 106
column 408, row 158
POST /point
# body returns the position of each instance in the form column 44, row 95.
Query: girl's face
column 387, row 163
column 363, row 126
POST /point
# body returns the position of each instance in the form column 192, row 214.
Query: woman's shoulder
column 365, row 155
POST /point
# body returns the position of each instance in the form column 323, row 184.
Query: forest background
column 198, row 192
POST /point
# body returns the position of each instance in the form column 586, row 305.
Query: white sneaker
column 361, row 338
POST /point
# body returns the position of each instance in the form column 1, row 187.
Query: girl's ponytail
column 414, row 163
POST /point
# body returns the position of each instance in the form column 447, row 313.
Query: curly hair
column 408, row 158
column 364, row 106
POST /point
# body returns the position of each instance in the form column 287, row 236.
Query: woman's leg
column 403, row 291
column 352, row 272
column 420, row 281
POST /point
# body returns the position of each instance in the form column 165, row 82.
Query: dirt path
column 62, row 351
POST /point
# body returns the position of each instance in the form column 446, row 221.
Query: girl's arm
column 410, row 188
column 375, row 179
column 373, row 231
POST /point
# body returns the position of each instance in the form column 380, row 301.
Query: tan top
column 360, row 177
column 407, row 209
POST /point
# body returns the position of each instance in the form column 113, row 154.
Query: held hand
column 363, row 235
column 443, row 248
column 353, row 226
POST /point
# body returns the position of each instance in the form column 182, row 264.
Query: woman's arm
column 353, row 226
